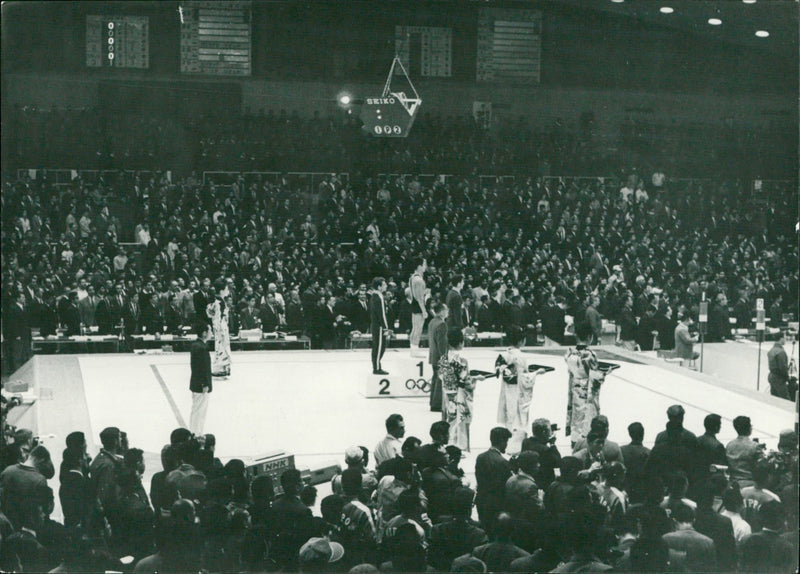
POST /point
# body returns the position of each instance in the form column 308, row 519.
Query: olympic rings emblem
column 420, row 384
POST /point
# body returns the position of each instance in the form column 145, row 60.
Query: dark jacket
column 554, row 323
column 74, row 496
column 71, row 319
column 201, row 367
column 455, row 320
column 270, row 319
column 549, row 460
column 291, row 528
column 437, row 341
column 491, row 472
column 377, row 313
column 719, row 529
column 201, row 301
column 452, row 539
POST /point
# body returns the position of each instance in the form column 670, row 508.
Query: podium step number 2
column 409, row 380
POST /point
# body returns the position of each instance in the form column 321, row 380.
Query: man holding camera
column 543, row 442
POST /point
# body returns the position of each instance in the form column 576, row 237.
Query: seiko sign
column 379, row 101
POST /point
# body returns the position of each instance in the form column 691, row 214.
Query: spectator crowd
column 689, row 504
column 530, row 250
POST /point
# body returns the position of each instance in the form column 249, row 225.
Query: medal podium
column 408, row 377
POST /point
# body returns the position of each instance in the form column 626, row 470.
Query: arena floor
column 312, row 403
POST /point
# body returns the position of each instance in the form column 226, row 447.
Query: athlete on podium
column 378, row 325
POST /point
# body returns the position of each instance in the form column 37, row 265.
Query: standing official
column 17, row 333
column 778, row 369
column 200, row 383
column 418, row 311
column 455, row 319
column 437, row 348
column 378, row 324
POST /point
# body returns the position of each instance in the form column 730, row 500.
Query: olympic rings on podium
column 420, row 384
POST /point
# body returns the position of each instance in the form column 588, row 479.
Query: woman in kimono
column 458, row 388
column 516, row 391
column 585, row 379
column 219, row 314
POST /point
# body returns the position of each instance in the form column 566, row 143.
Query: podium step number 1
column 405, row 379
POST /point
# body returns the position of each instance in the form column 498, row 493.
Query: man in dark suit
column 379, row 327
column 103, row 313
column 635, row 456
column 18, row 333
column 433, row 454
column 492, row 471
column 270, row 315
column 483, row 314
column 779, row 369
column 404, row 312
column 116, row 303
column 497, row 308
column 719, row 326
column 249, row 315
column 70, row 316
column 328, row 322
column 87, row 307
column 292, row 526
column 455, row 319
column 200, row 383
column 437, row 342
column 360, row 312
column 554, row 322
column 132, row 319
column 202, row 298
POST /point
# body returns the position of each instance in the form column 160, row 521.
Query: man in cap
column 318, row 554
column 354, row 458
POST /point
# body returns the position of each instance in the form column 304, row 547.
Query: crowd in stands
column 689, row 504
column 108, row 138
column 531, row 250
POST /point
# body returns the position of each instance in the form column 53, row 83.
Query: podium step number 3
column 407, row 381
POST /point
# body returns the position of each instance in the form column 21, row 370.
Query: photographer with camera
column 543, row 442
column 17, row 443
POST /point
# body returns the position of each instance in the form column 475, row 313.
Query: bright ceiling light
column 666, row 10
column 714, row 21
column 762, row 34
column 618, row 1
column 749, row 1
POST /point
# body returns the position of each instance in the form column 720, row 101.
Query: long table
column 103, row 344
column 364, row 340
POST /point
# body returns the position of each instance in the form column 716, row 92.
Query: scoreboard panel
column 216, row 38
column 435, row 49
column 117, row 41
column 509, row 45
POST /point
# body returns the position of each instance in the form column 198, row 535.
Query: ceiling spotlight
column 344, row 100
column 749, row 1
column 666, row 10
column 618, row 1
column 714, row 21
column 762, row 33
